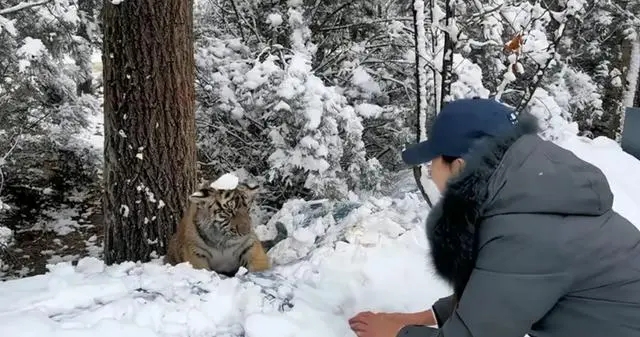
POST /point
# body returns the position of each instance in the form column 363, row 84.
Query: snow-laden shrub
column 576, row 51
column 267, row 112
column 6, row 240
column 46, row 99
column 319, row 99
column 45, row 62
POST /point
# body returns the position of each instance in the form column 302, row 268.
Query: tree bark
column 149, row 121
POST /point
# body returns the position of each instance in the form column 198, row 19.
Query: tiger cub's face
column 225, row 210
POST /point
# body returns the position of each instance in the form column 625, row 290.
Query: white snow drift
column 341, row 258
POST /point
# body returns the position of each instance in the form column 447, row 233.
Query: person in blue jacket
column 524, row 233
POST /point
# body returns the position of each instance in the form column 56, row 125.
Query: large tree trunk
column 149, row 121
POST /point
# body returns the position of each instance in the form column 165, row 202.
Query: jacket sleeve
column 516, row 281
column 442, row 309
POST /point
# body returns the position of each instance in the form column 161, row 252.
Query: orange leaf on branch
column 514, row 45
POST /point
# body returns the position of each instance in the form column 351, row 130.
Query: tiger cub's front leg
column 257, row 259
column 196, row 257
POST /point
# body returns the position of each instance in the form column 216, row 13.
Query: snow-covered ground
column 342, row 258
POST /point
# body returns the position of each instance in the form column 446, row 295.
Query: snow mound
column 622, row 171
column 341, row 258
column 227, row 181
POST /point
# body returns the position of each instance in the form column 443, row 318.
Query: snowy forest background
column 312, row 99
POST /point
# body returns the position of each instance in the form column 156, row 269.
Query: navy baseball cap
column 458, row 125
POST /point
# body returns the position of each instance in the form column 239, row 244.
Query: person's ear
column 457, row 166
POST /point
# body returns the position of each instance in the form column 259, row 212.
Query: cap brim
column 420, row 153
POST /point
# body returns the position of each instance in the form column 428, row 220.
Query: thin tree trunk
column 86, row 12
column 447, row 57
column 150, row 152
column 631, row 58
column 421, row 82
column 631, row 63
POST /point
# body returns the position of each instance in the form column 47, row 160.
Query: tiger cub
column 216, row 232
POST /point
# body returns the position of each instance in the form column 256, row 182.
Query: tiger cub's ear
column 199, row 196
column 203, row 184
column 250, row 191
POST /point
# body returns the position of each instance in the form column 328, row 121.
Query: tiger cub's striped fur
column 216, row 232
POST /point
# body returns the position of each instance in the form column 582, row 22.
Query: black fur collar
column 452, row 224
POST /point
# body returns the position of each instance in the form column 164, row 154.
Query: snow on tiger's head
column 225, row 192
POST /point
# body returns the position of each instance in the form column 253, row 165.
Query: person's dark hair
column 449, row 159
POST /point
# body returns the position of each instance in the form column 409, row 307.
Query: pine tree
column 150, row 151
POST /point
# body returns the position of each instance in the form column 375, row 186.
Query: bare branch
column 541, row 70
column 237, row 13
column 484, row 12
column 314, row 11
column 351, row 25
column 241, row 17
column 336, row 11
column 407, row 89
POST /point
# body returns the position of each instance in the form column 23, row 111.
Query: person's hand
column 406, row 318
column 369, row 324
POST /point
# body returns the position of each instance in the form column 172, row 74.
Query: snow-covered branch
column 3, row 160
column 21, row 6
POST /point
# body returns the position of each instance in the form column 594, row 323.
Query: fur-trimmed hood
column 516, row 173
